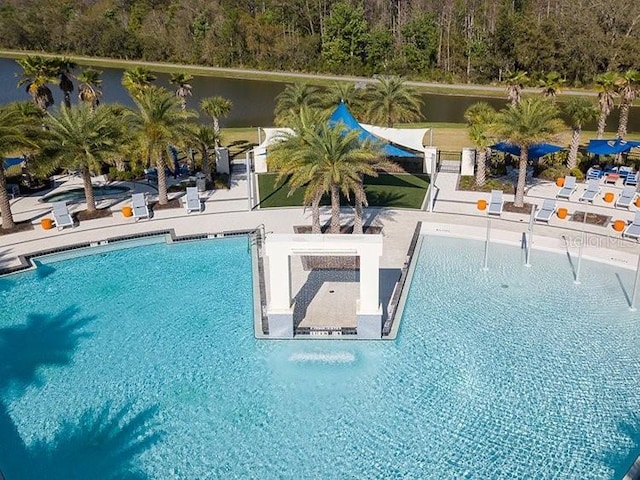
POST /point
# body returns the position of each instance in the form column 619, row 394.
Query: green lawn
column 396, row 191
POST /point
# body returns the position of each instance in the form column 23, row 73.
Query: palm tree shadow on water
column 100, row 443
column 621, row 460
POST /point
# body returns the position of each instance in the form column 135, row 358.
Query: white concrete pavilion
column 279, row 248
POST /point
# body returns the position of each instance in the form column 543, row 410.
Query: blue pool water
column 141, row 363
column 77, row 194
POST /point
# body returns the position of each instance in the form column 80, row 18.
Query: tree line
column 477, row 41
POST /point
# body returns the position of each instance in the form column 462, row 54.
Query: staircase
column 449, row 166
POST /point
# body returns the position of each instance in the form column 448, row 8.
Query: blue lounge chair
column 139, row 206
column 593, row 187
column 633, row 230
column 61, row 215
column 545, row 212
column 627, row 197
column 632, row 179
column 568, row 188
column 495, row 203
column 594, row 173
column 192, row 200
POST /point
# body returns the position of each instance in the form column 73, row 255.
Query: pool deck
column 454, row 214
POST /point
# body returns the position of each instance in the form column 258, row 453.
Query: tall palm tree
column 296, row 168
column 137, row 80
column 324, row 158
column 480, row 117
column 158, row 122
column 515, row 82
column 551, row 84
column 183, row 87
column 580, row 111
column 13, row 134
column 533, row 120
column 36, row 74
column 293, row 99
column 79, row 138
column 203, row 138
column 63, row 68
column 216, row 108
column 606, row 87
column 627, row 87
column 89, row 89
column 391, row 100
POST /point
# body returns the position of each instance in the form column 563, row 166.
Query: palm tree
column 551, row 84
column 216, row 107
column 158, row 122
column 515, row 82
column 36, row 75
column 63, row 68
column 288, row 158
column 13, row 134
column 391, row 100
column 345, row 92
column 79, row 138
column 581, row 111
column 627, row 87
column 325, row 158
column 137, row 80
column 533, row 120
column 203, row 138
column 480, row 117
column 606, row 87
column 181, row 81
column 293, row 99
column 89, row 90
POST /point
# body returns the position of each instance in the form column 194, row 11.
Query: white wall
column 468, row 161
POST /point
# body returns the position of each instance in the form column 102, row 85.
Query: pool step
column 634, row 471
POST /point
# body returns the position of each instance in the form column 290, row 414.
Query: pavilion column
column 279, row 309
column 369, row 310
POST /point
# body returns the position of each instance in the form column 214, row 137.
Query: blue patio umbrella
column 611, row 147
column 12, row 161
column 342, row 115
column 535, row 151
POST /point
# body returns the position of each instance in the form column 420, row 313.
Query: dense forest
column 476, row 41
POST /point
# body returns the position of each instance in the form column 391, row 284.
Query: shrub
column 469, row 183
column 576, row 172
column 551, row 173
column 125, row 175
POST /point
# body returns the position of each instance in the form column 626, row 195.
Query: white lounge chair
column 633, row 229
column 495, row 203
column 140, row 206
column 593, row 187
column 545, row 212
column 61, row 215
column 568, row 188
column 191, row 200
column 627, row 197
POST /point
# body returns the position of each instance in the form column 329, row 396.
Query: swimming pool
column 150, row 370
column 77, row 194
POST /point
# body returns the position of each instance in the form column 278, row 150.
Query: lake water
column 254, row 100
